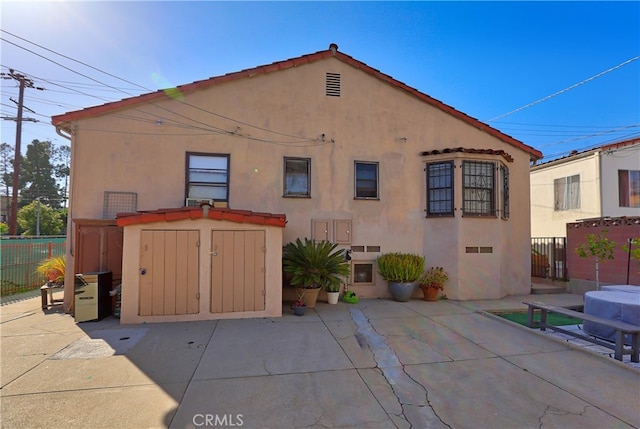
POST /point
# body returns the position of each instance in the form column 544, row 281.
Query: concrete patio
column 375, row 364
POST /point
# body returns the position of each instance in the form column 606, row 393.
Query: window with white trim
column 297, row 177
column 629, row 188
column 208, row 176
column 566, row 191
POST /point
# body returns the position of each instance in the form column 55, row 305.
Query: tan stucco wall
column 131, row 268
column 137, row 150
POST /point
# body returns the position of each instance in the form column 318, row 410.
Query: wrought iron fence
column 19, row 257
column 549, row 258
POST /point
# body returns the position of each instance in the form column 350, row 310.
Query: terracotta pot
column 430, row 293
column 310, row 296
column 53, row 274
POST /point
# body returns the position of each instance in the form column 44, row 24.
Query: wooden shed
column 200, row 263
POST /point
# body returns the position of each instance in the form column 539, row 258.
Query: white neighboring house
column 596, row 183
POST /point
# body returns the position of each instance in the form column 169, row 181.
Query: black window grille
column 478, row 188
column 504, row 176
column 440, row 189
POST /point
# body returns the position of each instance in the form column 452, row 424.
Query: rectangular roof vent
column 333, row 84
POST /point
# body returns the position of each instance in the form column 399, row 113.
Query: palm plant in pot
column 401, row 270
column 432, row 282
column 314, row 265
column 53, row 268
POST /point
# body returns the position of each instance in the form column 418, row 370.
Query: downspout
column 598, row 155
column 69, row 278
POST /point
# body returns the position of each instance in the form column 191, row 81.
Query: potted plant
column 401, row 270
column 333, row 294
column 432, row 282
column 299, row 307
column 53, row 268
column 314, row 265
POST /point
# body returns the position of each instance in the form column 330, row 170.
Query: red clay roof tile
column 174, row 214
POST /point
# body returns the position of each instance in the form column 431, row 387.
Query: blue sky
column 485, row 59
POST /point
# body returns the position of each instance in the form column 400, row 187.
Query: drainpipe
column 69, row 279
column 598, row 156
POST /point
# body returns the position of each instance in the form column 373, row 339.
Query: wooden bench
column 46, row 295
column 621, row 328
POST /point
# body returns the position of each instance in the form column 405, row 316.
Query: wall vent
column 333, row 84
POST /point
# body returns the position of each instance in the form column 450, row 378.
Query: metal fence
column 19, row 257
column 549, row 258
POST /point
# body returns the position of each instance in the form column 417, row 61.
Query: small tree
column 50, row 222
column 599, row 247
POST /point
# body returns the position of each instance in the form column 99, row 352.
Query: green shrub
column 400, row 267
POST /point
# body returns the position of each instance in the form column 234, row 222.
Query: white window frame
column 566, row 193
column 207, row 176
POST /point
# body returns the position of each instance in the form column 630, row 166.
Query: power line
column 140, row 86
column 565, row 90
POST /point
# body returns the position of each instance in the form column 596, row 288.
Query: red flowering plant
column 435, row 277
column 300, row 301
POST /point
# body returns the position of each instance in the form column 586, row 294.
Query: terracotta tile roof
column 169, row 215
column 575, row 153
column 59, row 120
column 502, row 153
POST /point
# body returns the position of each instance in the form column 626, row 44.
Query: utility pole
column 24, row 82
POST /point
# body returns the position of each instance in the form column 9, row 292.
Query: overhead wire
column 565, row 89
column 304, row 139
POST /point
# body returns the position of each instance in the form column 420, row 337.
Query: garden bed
column 521, row 318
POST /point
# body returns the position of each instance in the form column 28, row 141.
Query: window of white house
column 504, row 191
column 208, row 176
column 478, row 188
column 629, row 188
column 297, row 177
column 566, row 192
column 440, row 189
column 366, row 175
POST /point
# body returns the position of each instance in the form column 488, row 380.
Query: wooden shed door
column 169, row 267
column 237, row 271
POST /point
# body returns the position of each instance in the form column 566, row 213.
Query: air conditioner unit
column 195, row 202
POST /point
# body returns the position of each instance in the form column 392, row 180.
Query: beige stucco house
column 341, row 150
column 600, row 182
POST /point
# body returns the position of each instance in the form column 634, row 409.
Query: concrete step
column 543, row 289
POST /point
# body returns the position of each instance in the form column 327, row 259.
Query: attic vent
column 118, row 202
column 333, row 84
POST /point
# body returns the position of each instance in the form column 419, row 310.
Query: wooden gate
column 169, row 267
column 237, row 271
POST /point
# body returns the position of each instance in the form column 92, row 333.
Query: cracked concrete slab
column 401, row 365
column 285, row 347
column 496, row 336
column 592, row 380
column 500, row 394
column 320, row 399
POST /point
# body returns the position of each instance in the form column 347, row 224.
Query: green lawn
column 552, row 319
